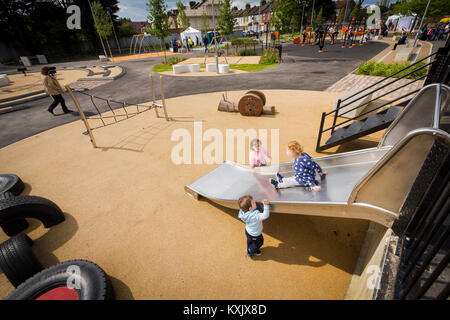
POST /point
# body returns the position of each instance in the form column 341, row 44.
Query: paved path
column 302, row 69
column 354, row 81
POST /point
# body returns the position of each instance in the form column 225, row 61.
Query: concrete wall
column 8, row 53
column 365, row 280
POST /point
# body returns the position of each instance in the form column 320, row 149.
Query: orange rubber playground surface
column 141, row 56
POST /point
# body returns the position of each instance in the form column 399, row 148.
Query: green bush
column 242, row 41
column 269, row 56
column 381, row 69
column 247, row 52
column 172, row 61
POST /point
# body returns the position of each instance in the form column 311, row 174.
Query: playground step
column 391, row 114
column 373, row 123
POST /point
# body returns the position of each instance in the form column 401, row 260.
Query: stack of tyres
column 70, row 280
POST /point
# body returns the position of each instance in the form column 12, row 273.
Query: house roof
column 268, row 7
column 253, row 11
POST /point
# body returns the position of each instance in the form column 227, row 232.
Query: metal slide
column 370, row 184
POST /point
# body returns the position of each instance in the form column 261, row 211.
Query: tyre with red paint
column 70, row 280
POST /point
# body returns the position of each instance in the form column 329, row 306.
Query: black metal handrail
column 340, row 105
column 374, row 109
column 389, row 76
column 382, row 87
column 384, row 94
column 423, row 240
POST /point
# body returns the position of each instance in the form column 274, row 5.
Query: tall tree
column 103, row 25
column 204, row 26
column 158, row 24
column 183, row 20
column 341, row 15
column 125, row 27
column 226, row 18
column 438, row 8
column 319, row 18
column 283, row 13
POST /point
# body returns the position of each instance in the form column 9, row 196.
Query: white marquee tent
column 192, row 33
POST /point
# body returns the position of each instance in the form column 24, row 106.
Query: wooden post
column 83, row 117
column 163, row 99
column 153, row 96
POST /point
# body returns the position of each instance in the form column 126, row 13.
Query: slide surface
column 230, row 181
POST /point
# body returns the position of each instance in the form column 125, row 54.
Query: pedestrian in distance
column 54, row 89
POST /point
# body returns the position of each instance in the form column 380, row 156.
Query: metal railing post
column 319, row 138
column 83, row 117
column 153, row 95
column 163, row 99
column 336, row 115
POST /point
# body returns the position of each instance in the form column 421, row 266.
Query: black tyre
column 11, row 183
column 60, row 282
column 16, row 226
column 17, row 260
column 30, row 207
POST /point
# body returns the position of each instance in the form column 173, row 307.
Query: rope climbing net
column 109, row 112
column 116, row 110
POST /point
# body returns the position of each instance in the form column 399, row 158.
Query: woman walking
column 54, row 89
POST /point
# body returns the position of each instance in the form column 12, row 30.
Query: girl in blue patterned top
column 305, row 170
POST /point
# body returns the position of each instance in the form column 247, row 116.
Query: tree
column 319, row 18
column 125, row 28
column 341, row 15
column 283, row 15
column 226, row 18
column 354, row 12
column 103, row 25
column 183, row 20
column 158, row 24
column 204, row 23
column 438, row 8
column 294, row 23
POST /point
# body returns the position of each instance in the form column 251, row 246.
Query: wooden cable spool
column 259, row 94
column 251, row 105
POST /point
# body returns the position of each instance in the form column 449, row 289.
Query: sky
column 136, row 9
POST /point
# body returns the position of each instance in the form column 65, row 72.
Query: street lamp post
column 115, row 35
column 421, row 22
column 345, row 13
column 303, row 11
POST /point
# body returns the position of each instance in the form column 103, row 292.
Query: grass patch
column 162, row 68
column 252, row 67
column 381, row 69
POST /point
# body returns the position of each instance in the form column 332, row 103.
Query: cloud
column 136, row 10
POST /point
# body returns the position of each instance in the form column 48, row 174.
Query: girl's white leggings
column 288, row 183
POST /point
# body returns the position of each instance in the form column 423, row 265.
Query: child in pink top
column 258, row 154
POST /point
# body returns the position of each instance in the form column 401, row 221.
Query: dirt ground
column 126, row 209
